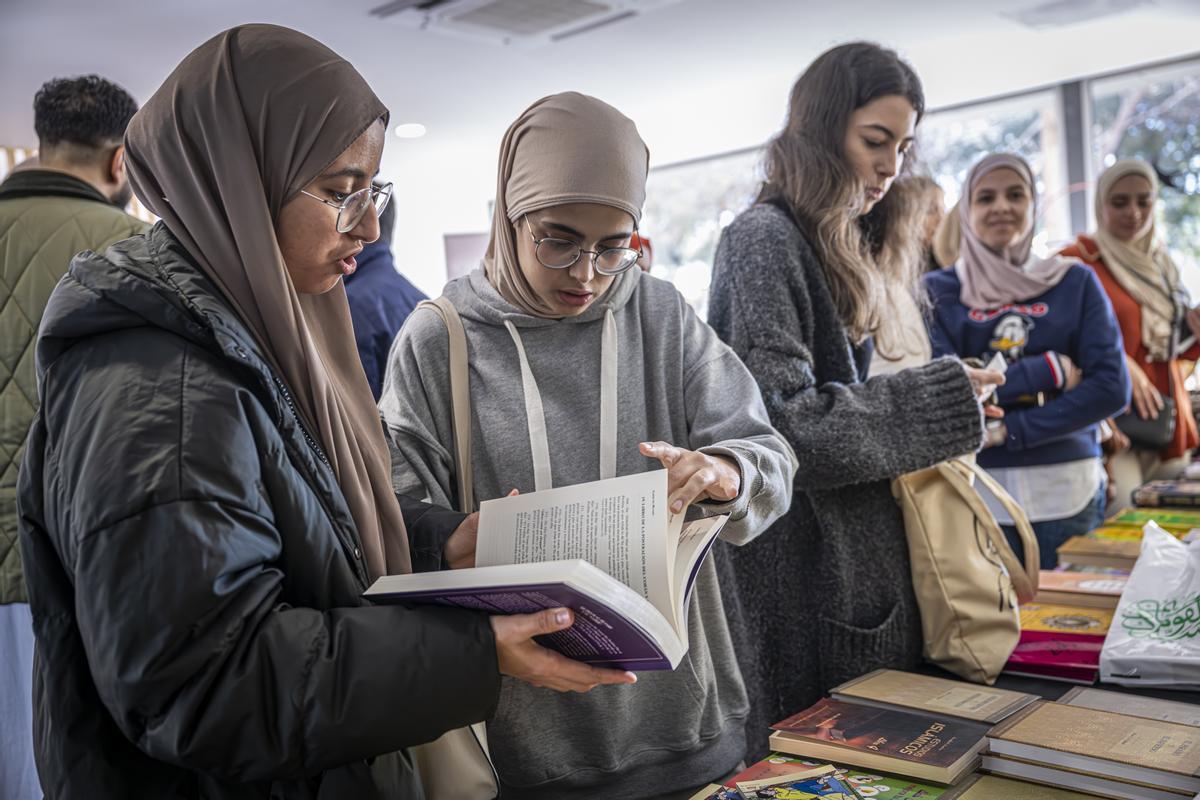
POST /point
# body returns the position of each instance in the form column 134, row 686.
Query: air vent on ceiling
column 528, row 23
column 1057, row 13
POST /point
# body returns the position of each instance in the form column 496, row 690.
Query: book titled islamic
column 608, row 550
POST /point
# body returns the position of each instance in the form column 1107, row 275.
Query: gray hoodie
column 675, row 381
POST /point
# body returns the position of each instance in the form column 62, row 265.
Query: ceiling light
column 410, row 130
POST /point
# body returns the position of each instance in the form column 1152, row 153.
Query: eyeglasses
column 354, row 207
column 563, row 253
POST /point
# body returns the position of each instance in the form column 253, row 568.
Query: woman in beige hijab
column 1142, row 283
column 584, row 367
column 207, row 491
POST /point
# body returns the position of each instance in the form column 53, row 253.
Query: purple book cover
column 600, row 635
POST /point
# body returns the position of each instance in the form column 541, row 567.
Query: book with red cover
column 1047, row 655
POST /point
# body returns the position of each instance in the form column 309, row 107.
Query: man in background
column 70, row 199
column 380, row 300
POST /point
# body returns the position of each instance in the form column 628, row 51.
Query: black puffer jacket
column 194, row 571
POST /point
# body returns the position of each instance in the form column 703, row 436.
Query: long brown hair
column 862, row 255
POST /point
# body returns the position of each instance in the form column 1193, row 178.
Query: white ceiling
column 699, row 77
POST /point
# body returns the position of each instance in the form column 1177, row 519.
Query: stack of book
column 1092, row 552
column 922, row 730
column 1178, row 521
column 1168, row 494
column 1077, row 747
column 1060, row 642
column 1090, row 589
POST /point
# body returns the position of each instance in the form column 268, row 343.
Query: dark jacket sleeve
column 842, row 434
column 429, row 527
column 184, row 587
column 1104, row 389
column 1028, row 376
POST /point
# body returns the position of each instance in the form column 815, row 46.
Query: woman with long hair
column 799, row 289
column 1050, row 320
column 1152, row 308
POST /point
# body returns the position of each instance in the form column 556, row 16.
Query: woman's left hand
column 693, row 476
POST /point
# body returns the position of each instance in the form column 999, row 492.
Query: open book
column 608, row 550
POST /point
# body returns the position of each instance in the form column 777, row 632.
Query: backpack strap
column 460, row 397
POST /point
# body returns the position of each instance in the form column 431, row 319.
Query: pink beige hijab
column 565, row 148
column 991, row 279
column 1142, row 265
column 242, row 124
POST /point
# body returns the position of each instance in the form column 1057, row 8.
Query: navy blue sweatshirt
column 1074, row 319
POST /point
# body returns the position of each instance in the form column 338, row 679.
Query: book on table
column 1090, row 551
column 995, row 787
column 608, row 550
column 1042, row 776
column 1174, row 520
column 908, row 691
column 1133, row 705
column 867, row 783
column 1093, row 589
column 1075, row 747
column 1168, row 494
column 1060, row 642
column 940, row 748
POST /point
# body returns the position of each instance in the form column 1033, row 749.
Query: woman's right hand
column 1147, row 400
column 984, row 382
column 1072, row 374
column 521, row 657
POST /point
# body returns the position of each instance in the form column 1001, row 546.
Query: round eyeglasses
column 563, row 253
column 354, row 207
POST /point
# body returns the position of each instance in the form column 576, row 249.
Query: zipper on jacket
column 287, row 396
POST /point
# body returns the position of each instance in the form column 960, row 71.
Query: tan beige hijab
column 565, row 148
column 242, row 124
column 1142, row 265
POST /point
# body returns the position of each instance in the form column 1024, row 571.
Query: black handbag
column 1149, row 434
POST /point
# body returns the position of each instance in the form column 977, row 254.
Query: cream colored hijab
column 1142, row 265
column 565, row 148
column 991, row 279
column 243, row 123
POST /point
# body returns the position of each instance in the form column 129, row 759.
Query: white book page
column 693, row 538
column 619, row 525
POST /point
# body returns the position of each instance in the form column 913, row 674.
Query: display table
column 1052, row 690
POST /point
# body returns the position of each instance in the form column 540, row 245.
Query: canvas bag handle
column 460, row 398
column 959, row 472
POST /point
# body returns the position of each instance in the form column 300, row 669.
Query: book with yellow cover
column 1102, row 743
column 1092, row 589
column 908, row 691
column 1071, row 621
column 1089, row 551
column 1175, row 520
column 993, row 787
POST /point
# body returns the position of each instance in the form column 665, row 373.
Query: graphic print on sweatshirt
column 1010, row 336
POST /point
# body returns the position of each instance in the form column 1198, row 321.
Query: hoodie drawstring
column 539, row 444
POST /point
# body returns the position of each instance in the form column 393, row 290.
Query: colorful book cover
column 1070, row 622
column 1174, row 520
column 811, row 787
column 1046, row 655
column 869, row 785
column 939, row 741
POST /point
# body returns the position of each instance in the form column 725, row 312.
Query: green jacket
column 46, row 217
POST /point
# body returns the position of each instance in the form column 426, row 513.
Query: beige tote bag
column 967, row 580
column 457, row 766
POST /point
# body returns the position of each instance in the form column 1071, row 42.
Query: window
column 1154, row 114
column 687, row 205
column 949, row 142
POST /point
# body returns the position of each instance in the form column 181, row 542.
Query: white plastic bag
column 1155, row 635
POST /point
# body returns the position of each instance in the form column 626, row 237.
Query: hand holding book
column 519, row 656
column 693, row 476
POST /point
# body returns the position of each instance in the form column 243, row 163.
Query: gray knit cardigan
column 825, row 594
